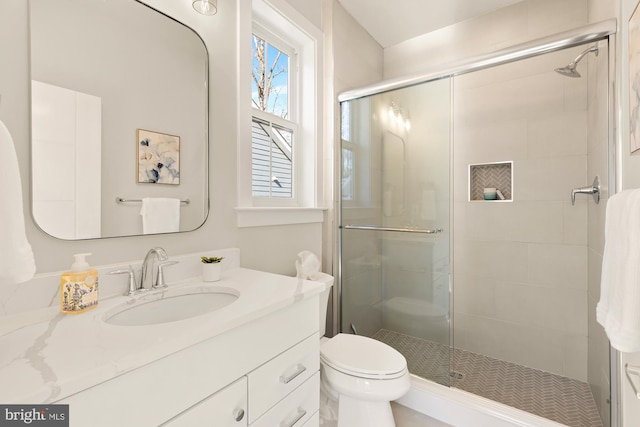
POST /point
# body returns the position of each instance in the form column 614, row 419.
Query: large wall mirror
column 119, row 115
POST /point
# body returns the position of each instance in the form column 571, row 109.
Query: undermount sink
column 169, row 308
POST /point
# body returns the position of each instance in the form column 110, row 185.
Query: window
column 271, row 160
column 270, row 78
column 280, row 152
column 273, row 125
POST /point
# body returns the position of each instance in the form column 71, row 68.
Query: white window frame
column 282, row 25
column 292, row 110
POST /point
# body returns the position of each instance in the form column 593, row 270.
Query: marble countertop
column 50, row 360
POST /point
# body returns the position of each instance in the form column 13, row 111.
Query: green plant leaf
column 211, row 260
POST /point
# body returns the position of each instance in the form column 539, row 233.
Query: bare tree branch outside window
column 268, row 64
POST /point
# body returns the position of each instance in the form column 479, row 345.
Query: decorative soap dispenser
column 79, row 287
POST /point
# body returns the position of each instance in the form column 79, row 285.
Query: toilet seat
column 362, row 357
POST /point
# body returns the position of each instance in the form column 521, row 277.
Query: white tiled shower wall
column 520, row 279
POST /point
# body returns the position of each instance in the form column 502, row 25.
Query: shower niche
column 497, row 175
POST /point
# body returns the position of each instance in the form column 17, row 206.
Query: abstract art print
column 634, row 81
column 158, row 157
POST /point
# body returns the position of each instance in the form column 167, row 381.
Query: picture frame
column 158, row 157
column 634, row 80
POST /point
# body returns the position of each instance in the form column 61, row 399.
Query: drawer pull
column 287, row 379
column 299, row 415
column 238, row 414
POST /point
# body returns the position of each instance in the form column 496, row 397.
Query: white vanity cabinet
column 285, row 391
column 226, row 408
column 296, row 409
column 277, row 378
column 268, row 367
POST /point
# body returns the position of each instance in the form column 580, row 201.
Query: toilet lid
column 362, row 357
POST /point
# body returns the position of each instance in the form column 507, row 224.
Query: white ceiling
column 393, row 21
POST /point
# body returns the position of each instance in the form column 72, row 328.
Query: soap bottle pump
column 79, row 287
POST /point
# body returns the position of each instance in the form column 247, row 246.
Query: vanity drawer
column 280, row 376
column 297, row 409
column 226, row 408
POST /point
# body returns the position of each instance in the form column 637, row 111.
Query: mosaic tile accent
column 551, row 396
column 490, row 175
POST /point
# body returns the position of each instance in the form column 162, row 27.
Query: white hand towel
column 160, row 215
column 16, row 263
column 619, row 308
column 307, row 265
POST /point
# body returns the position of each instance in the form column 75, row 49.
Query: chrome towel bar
column 121, row 200
column 403, row 230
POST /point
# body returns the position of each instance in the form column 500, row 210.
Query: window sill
column 265, row 216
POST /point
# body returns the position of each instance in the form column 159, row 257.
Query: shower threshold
column 551, row 396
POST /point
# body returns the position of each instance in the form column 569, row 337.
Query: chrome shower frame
column 603, row 31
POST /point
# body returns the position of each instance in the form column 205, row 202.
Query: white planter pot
column 211, row 272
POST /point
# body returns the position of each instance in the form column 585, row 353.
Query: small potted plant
column 211, row 268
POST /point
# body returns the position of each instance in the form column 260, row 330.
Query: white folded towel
column 160, row 215
column 16, row 263
column 619, row 308
column 307, row 265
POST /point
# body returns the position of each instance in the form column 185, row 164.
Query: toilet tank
column 324, row 298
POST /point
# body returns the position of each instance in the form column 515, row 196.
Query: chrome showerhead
column 570, row 70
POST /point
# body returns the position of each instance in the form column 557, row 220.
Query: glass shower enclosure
column 524, row 281
column 395, row 216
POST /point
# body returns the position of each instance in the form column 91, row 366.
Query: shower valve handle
column 594, row 190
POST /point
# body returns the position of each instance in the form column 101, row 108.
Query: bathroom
column 269, row 239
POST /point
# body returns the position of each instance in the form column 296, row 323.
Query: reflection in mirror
column 102, row 72
column 393, row 174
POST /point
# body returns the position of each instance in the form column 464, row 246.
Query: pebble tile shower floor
column 551, row 396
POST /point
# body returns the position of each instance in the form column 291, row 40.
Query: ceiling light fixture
column 206, row 7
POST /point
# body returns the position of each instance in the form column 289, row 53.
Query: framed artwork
column 158, row 157
column 634, row 81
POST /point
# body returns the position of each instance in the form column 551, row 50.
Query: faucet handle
column 132, row 279
column 160, row 279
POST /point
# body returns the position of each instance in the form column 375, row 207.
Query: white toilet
column 359, row 374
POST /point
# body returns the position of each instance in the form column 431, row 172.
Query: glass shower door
column 395, row 214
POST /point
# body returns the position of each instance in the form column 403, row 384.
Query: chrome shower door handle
column 594, row 190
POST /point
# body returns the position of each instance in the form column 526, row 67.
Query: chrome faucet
column 133, row 286
column 146, row 277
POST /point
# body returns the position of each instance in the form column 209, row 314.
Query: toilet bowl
column 359, row 375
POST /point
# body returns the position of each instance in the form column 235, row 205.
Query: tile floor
column 551, row 396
